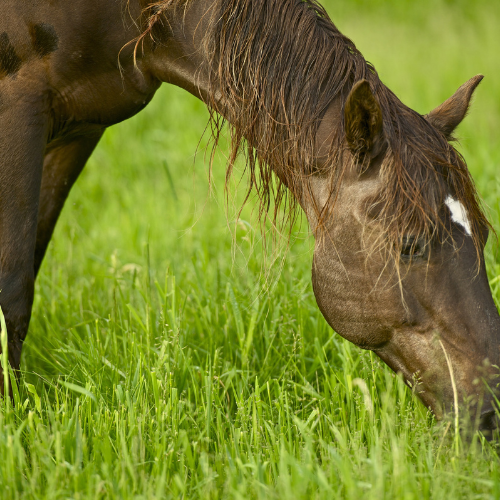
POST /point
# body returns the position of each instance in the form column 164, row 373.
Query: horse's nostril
column 489, row 422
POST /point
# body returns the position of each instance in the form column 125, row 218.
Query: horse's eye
column 412, row 247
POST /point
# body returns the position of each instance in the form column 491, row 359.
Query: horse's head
column 398, row 262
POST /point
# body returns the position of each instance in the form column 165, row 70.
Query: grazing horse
column 398, row 263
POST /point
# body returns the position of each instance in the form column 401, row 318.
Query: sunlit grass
column 164, row 361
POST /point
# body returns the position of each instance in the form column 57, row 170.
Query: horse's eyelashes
column 412, row 247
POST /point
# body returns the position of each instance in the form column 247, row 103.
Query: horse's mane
column 276, row 65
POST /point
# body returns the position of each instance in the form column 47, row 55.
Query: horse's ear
column 363, row 121
column 447, row 117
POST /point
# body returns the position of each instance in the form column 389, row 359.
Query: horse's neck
column 179, row 57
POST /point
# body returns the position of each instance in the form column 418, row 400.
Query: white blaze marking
column 458, row 213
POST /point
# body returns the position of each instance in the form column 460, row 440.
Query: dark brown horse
column 398, row 264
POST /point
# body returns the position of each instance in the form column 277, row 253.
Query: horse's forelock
column 419, row 174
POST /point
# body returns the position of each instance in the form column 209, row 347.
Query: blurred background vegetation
column 164, row 360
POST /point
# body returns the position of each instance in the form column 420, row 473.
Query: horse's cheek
column 362, row 318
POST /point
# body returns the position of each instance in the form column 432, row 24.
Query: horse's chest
column 102, row 98
column 71, row 57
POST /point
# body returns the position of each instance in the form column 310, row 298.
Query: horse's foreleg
column 23, row 136
column 62, row 166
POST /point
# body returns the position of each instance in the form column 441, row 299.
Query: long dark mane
column 275, row 67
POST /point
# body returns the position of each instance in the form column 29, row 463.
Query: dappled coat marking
column 44, row 38
column 9, row 60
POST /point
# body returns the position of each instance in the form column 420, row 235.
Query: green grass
column 164, row 361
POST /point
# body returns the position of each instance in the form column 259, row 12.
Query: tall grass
column 162, row 362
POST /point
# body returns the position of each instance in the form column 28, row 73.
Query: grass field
column 165, row 361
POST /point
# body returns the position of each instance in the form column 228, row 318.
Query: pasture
column 171, row 356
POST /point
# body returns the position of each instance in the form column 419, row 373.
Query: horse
column 398, row 265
